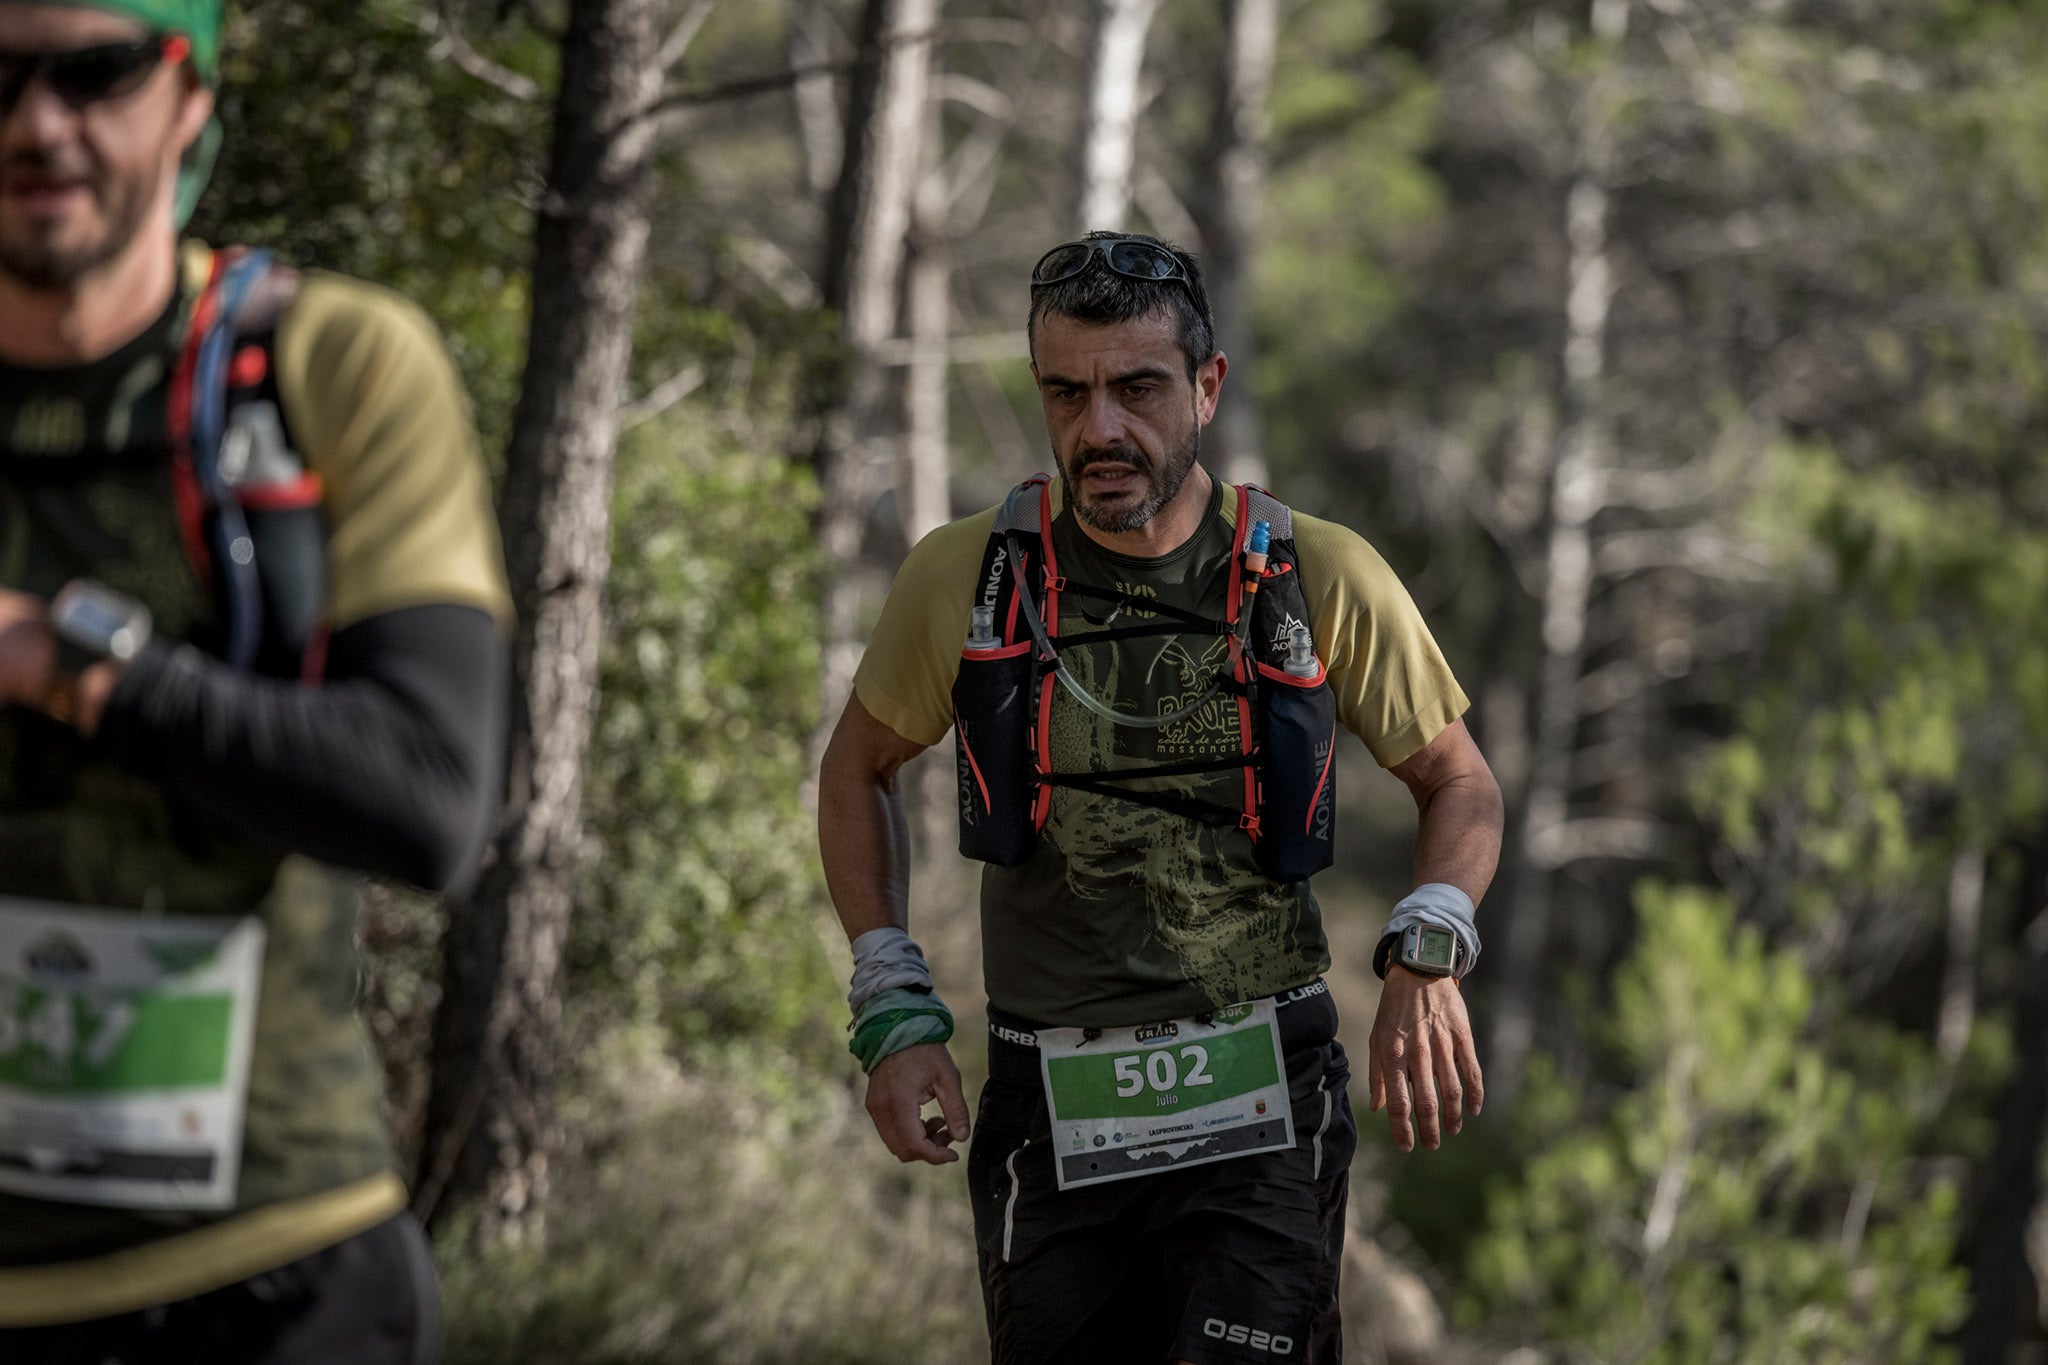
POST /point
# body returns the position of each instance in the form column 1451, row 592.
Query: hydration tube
column 1048, row 654
column 234, row 548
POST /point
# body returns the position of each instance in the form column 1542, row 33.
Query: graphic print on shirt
column 1233, row 933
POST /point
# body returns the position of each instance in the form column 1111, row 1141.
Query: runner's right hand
column 898, row 1088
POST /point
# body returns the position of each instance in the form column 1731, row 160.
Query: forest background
column 1684, row 356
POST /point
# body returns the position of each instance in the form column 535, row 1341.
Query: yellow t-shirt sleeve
column 374, row 404
column 1392, row 686
column 905, row 679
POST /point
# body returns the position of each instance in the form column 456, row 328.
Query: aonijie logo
column 992, row 587
column 1257, row 1339
column 1324, row 815
column 970, row 809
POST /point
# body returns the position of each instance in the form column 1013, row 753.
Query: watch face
column 1434, row 948
column 99, row 620
column 97, row 617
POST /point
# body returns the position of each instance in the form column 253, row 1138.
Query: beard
column 44, row 254
column 1129, row 511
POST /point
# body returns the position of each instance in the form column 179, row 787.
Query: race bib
column 124, row 1055
column 1136, row 1101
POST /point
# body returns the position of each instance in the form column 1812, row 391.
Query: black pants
column 370, row 1300
column 1233, row 1261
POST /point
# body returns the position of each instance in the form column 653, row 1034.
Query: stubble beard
column 42, row 259
column 1163, row 484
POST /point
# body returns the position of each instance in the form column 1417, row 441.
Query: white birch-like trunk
column 1110, row 135
column 1959, row 972
column 921, row 481
column 871, row 223
column 1236, row 168
column 1575, row 495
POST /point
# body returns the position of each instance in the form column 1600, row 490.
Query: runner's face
column 78, row 185
column 1125, row 422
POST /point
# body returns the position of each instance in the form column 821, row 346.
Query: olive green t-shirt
column 1124, row 913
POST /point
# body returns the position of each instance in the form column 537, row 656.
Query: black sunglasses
column 1132, row 257
column 85, row 75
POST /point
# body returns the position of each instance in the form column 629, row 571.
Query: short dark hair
column 1099, row 296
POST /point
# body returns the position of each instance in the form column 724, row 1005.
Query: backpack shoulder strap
column 1263, row 506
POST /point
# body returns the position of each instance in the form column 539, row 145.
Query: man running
column 1143, row 667
column 251, row 646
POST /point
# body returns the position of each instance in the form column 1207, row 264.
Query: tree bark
column 1109, row 136
column 921, row 482
column 1958, row 1011
column 868, row 226
column 1575, row 495
column 1235, row 169
column 2006, row 1270
column 491, row 1130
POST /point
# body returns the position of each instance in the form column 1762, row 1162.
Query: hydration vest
column 249, row 511
column 1010, row 666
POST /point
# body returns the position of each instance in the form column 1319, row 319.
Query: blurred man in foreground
column 251, row 624
column 1144, row 669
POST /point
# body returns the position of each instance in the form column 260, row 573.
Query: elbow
column 440, row 862
column 436, row 843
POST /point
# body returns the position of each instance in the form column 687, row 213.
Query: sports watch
column 1426, row 949
column 92, row 623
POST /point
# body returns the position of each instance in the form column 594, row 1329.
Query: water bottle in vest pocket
column 992, row 739
column 1297, row 766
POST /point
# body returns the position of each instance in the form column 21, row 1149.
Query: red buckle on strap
column 1058, row 584
column 1249, row 824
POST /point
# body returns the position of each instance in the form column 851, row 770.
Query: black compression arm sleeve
column 390, row 765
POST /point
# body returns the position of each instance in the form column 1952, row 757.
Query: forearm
column 864, row 842
column 390, row 766
column 1458, row 835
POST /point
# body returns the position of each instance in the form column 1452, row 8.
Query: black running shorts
column 1231, row 1261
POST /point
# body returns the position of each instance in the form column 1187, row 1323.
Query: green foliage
column 714, row 1220
column 703, row 903
column 1748, row 1198
column 1891, row 722
column 352, row 147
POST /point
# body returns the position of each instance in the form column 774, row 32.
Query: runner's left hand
column 1422, row 1058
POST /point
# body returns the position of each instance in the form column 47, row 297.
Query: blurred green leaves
column 1749, row 1194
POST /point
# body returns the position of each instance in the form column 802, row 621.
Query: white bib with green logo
column 1135, row 1101
column 124, row 1054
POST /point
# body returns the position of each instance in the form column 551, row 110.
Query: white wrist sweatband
column 883, row 960
column 1445, row 907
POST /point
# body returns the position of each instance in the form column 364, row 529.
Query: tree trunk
column 491, row 1128
column 1229, row 209
column 817, row 111
column 1959, row 970
column 2006, row 1281
column 1575, row 496
column 869, row 224
column 1109, row 137
column 921, row 481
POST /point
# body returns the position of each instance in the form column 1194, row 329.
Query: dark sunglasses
column 84, row 75
column 1131, row 257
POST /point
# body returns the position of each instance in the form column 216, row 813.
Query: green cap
column 198, row 20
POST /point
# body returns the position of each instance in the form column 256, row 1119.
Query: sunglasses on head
column 1132, row 257
column 84, row 75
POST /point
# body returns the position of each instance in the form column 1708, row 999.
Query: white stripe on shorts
column 1010, row 1208
column 1322, row 1088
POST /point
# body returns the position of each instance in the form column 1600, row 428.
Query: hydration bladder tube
column 1047, row 654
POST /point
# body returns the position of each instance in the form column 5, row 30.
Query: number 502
column 1161, row 1071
